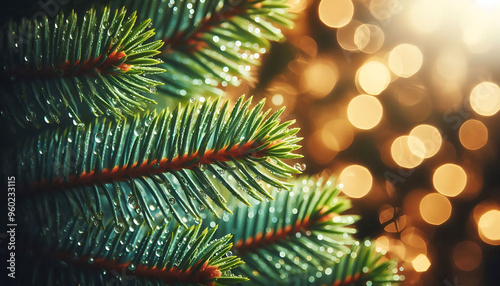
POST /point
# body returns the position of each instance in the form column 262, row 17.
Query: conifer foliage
column 115, row 189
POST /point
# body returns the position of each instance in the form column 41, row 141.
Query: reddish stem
column 206, row 272
column 194, row 40
column 113, row 59
column 261, row 241
column 148, row 169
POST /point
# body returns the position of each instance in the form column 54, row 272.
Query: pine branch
column 155, row 166
column 210, row 44
column 361, row 265
column 301, row 229
column 86, row 255
column 99, row 60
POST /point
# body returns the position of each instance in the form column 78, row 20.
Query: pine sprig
column 210, row 44
column 361, row 265
column 75, row 66
column 86, row 255
column 299, row 230
column 155, row 166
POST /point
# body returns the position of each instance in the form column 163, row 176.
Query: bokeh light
column 488, row 225
column 345, row 36
column 426, row 15
column 356, row 181
column 429, row 136
column 277, row 99
column 319, row 78
column 364, row 111
column 373, row 77
column 413, row 82
column 337, row 134
column 449, row 179
column 405, row 60
column 485, row 98
column 402, row 153
column 435, row 209
column 467, row 255
column 368, row 38
column 421, row 263
column 473, row 134
column 335, row 13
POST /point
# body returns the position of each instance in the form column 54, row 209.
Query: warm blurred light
column 277, row 99
column 308, row 45
column 382, row 243
column 368, row 38
column 489, row 225
column 467, row 255
column 486, row 4
column 477, row 28
column 345, row 36
column 435, row 208
column 415, row 103
column 451, row 66
column 296, row 5
column 364, row 111
column 316, row 147
column 373, row 77
column 388, row 216
column 319, row 78
column 405, row 60
column 449, row 180
column 421, row 263
column 335, row 13
column 485, row 98
column 356, row 181
column 337, row 134
column 402, row 153
column 414, row 242
column 429, row 136
column 473, row 134
column 382, row 10
column 425, row 15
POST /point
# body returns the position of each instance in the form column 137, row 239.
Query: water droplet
column 201, row 208
column 156, row 165
column 152, row 89
column 300, row 167
column 171, row 201
column 99, row 215
column 138, row 130
column 138, row 219
column 91, row 260
column 128, row 248
column 132, row 202
column 131, row 267
column 192, row 99
column 98, row 137
column 80, row 126
column 202, row 167
column 119, row 227
column 152, row 207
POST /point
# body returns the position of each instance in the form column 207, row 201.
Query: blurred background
column 399, row 100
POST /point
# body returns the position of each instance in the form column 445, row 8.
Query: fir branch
column 99, row 59
column 210, row 44
column 301, row 229
column 175, row 161
column 163, row 256
column 361, row 265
